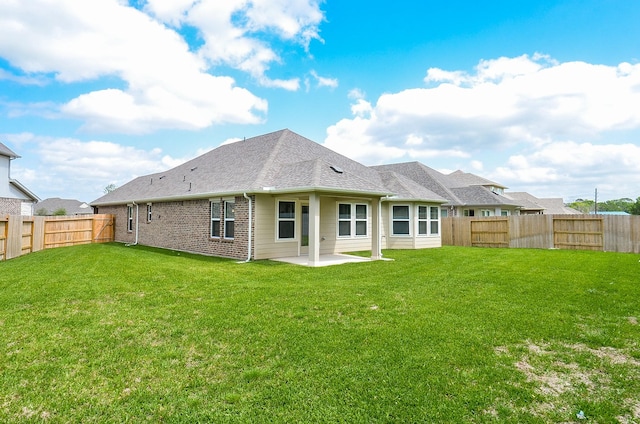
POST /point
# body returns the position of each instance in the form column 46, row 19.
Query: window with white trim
column 286, row 220
column 400, row 220
column 129, row 218
column 486, row 212
column 353, row 220
column 434, row 222
column 215, row 219
column 148, row 212
column 229, row 219
column 468, row 212
column 423, row 220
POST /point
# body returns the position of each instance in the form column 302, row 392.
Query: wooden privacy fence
column 611, row 233
column 20, row 235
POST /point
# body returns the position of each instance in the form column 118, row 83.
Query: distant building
column 53, row 205
column 15, row 199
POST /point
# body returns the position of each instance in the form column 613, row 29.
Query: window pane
column 344, row 211
column 215, row 210
column 286, row 229
column 422, row 212
column 401, row 227
column 229, row 210
column 344, row 228
column 228, row 229
column 401, row 212
column 286, row 209
column 434, row 227
column 361, row 228
column 215, row 228
column 361, row 211
column 422, row 227
column 434, row 213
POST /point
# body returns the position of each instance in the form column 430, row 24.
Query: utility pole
column 596, row 210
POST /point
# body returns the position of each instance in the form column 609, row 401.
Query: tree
column 110, row 188
column 635, row 208
column 42, row 212
column 583, row 205
column 60, row 212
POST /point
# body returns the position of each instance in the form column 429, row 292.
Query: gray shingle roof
column 71, row 206
column 277, row 162
column 405, row 188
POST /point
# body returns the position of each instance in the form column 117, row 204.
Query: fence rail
column 20, row 235
column 611, row 233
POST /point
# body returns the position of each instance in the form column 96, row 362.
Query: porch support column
column 376, row 253
column 314, row 229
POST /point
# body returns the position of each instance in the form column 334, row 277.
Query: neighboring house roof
column 549, row 206
column 279, row 162
column 71, row 206
column 459, row 188
column 405, row 188
column 482, row 196
column 5, row 151
column 465, row 179
column 18, row 185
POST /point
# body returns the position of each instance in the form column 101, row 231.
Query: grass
column 108, row 333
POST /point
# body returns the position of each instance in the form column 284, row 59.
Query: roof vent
column 337, row 169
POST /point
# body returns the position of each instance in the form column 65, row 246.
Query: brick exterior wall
column 185, row 226
column 10, row 206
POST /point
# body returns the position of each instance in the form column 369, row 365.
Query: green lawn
column 108, row 333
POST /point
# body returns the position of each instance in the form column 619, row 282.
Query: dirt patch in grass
column 566, row 377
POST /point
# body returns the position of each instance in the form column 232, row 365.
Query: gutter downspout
column 137, row 224
column 249, row 229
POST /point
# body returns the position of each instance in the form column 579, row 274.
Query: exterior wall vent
column 337, row 169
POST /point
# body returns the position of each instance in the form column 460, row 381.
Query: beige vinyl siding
column 329, row 228
column 412, row 241
column 266, row 245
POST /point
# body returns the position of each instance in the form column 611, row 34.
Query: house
column 531, row 205
column 467, row 194
column 15, row 199
column 272, row 196
column 56, row 205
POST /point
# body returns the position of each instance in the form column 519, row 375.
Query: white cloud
column 62, row 167
column 575, row 169
column 154, row 80
column 231, row 29
column 324, row 81
column 506, row 105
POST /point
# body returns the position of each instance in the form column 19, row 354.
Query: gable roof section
column 482, row 196
column 550, row 205
column 278, row 162
column 426, row 177
column 5, row 151
column 71, row 206
column 24, row 190
column 465, row 179
column 406, row 189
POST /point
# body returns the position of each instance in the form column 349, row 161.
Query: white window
column 423, row 220
column 229, row 219
column 486, row 212
column 215, row 219
column 286, row 220
column 428, row 222
column 400, row 220
column 434, row 222
column 129, row 218
column 469, row 212
column 148, row 212
column 352, row 220
column 504, row 212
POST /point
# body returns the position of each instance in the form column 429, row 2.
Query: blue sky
column 539, row 96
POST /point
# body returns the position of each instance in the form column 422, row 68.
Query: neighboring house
column 15, row 199
column 467, row 194
column 272, row 196
column 54, row 205
column 532, row 205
